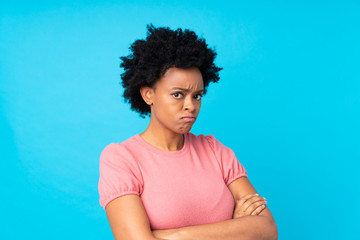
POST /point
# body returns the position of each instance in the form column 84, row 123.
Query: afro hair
column 162, row 49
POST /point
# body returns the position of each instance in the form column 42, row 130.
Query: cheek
column 168, row 107
column 174, row 109
column 197, row 105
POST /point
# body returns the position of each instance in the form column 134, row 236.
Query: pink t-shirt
column 178, row 188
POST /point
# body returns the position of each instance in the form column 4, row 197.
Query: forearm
column 244, row 228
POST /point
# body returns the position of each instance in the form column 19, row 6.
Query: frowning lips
column 189, row 118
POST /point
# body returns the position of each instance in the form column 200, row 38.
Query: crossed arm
column 128, row 220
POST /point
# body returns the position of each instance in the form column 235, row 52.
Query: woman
column 167, row 183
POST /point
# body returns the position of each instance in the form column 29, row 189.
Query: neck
column 162, row 138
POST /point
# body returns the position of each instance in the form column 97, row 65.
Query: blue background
column 288, row 104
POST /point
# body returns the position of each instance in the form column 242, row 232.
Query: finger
column 249, row 209
column 245, row 204
column 246, row 197
column 249, row 196
column 242, row 209
column 253, row 207
column 258, row 210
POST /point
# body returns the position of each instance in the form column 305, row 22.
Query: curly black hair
column 151, row 58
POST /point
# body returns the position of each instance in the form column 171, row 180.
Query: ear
column 147, row 94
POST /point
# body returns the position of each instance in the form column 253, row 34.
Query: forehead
column 189, row 78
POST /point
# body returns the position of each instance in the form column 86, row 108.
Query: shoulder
column 118, row 151
column 220, row 150
column 127, row 144
column 201, row 138
column 207, row 141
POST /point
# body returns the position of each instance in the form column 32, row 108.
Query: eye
column 198, row 97
column 177, row 95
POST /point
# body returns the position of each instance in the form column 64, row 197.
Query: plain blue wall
column 288, row 104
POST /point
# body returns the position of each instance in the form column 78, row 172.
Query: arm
column 128, row 219
column 260, row 226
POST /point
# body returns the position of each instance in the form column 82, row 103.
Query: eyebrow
column 187, row 90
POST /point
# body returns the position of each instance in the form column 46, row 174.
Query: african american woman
column 166, row 182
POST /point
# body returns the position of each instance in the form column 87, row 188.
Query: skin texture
column 251, row 204
column 169, row 104
column 126, row 214
column 261, row 226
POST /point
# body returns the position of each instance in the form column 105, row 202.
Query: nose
column 189, row 104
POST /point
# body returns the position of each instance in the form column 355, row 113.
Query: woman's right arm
column 128, row 219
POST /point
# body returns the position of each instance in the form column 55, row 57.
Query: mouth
column 189, row 119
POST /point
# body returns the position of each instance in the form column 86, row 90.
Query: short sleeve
column 119, row 174
column 231, row 168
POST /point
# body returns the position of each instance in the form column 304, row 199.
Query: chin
column 183, row 131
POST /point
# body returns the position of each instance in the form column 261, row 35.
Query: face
column 176, row 99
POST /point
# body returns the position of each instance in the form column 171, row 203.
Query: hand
column 251, row 204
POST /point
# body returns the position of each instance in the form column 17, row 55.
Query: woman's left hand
column 251, row 204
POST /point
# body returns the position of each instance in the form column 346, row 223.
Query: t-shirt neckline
column 156, row 150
